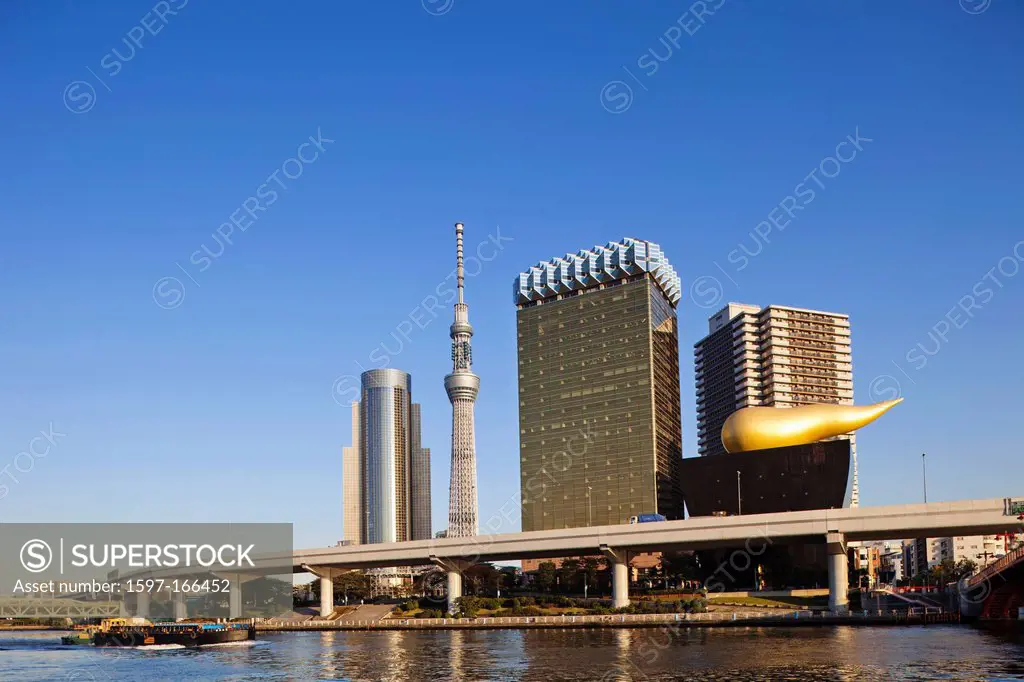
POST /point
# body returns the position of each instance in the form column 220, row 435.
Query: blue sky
column 122, row 165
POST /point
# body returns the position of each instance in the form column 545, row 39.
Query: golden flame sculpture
column 759, row 428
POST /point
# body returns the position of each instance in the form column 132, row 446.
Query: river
column 797, row 654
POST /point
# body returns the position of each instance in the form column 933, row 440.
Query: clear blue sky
column 495, row 114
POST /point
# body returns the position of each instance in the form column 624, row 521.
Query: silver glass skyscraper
column 386, row 416
column 393, row 501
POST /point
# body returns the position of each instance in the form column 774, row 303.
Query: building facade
column 877, row 562
column 791, row 478
column 352, row 485
column 776, row 356
column 922, row 555
column 386, row 473
column 600, row 433
column 419, row 480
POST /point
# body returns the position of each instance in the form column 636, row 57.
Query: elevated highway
column 834, row 527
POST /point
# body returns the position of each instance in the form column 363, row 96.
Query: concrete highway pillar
column 326, row 596
column 142, row 604
column 454, row 569
column 454, row 588
column 620, row 575
column 180, row 608
column 838, row 581
column 327, row 574
column 235, row 599
column 620, row 585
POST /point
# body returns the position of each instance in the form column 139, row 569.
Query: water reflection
column 328, row 661
column 798, row 654
column 623, row 669
column 456, row 652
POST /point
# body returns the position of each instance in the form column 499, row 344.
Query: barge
column 139, row 632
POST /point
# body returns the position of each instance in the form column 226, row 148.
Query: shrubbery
column 695, row 605
column 430, row 613
column 469, row 607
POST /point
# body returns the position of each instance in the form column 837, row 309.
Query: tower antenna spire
column 458, row 259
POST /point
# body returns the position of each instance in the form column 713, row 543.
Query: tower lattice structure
column 462, row 387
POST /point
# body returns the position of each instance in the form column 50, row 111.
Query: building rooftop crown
column 591, row 267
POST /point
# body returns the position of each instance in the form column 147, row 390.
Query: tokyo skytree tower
column 462, row 387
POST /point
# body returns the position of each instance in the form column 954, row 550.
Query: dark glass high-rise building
column 600, row 434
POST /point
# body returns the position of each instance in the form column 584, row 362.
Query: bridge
column 832, row 527
column 57, row 608
column 996, row 591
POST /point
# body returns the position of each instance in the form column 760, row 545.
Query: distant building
column 892, row 564
column 639, row 561
column 352, row 485
column 881, row 561
column 981, row 549
column 600, row 435
column 776, row 356
column 386, row 472
column 419, row 480
column 920, row 555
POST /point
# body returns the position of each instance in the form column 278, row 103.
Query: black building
column 795, row 478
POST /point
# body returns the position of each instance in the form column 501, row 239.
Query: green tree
column 353, row 584
column 483, row 579
column 467, row 607
column 964, row 568
column 299, row 592
column 546, row 576
column 569, row 574
column 681, row 565
column 592, row 567
column 509, row 578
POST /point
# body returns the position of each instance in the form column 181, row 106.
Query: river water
column 798, row 654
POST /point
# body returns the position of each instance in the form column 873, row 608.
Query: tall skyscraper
column 387, row 449
column 352, row 485
column 419, row 481
column 462, row 387
column 776, row 356
column 386, row 473
column 600, row 435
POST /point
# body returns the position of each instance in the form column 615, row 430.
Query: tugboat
column 139, row 632
column 81, row 635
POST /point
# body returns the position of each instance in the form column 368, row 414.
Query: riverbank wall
column 681, row 620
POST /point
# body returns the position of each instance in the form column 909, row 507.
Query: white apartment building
column 776, row 356
column 981, row 549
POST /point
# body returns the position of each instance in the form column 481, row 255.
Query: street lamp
column 739, row 495
column 590, row 520
column 924, row 477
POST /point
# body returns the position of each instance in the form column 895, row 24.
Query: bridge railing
column 995, row 567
